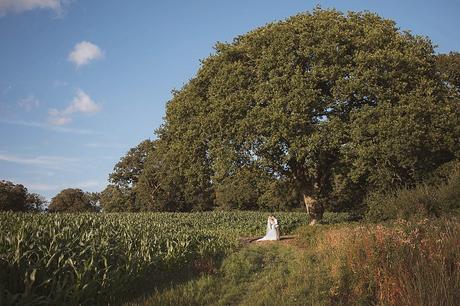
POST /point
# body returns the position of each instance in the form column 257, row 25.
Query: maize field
column 93, row 259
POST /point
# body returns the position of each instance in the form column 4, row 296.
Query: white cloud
column 29, row 103
column 18, row 6
column 81, row 103
column 48, row 127
column 84, row 52
column 105, row 145
column 53, row 162
column 87, row 184
column 58, row 120
column 40, row 186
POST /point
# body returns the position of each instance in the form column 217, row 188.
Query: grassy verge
column 399, row 263
column 252, row 276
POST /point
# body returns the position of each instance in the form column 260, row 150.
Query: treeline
column 16, row 198
column 319, row 111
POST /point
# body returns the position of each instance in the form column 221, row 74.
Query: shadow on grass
column 163, row 279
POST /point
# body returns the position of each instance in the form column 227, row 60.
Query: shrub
column 449, row 194
column 72, row 200
column 422, row 201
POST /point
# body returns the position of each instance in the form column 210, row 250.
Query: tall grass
column 400, row 263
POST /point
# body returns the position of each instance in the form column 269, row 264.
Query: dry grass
column 399, row 263
column 402, row 263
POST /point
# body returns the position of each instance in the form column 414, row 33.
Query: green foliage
column 401, row 263
column 250, row 188
column 113, row 199
column 321, row 107
column 449, row 194
column 449, row 67
column 121, row 194
column 416, row 203
column 127, row 171
column 15, row 197
column 159, row 189
column 420, row 202
column 73, row 200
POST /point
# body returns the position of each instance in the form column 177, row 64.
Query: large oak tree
column 322, row 100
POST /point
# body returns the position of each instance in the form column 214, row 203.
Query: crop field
column 66, row 259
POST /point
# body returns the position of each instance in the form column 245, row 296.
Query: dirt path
column 287, row 240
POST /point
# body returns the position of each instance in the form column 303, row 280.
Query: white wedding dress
column 273, row 230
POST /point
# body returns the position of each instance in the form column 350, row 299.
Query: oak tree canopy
column 322, row 108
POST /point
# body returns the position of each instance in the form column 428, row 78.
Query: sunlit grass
column 400, row 263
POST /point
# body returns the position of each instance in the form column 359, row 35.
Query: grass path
column 261, row 273
column 399, row 263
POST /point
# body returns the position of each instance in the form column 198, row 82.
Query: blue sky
column 83, row 81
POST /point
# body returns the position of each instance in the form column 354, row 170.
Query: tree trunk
column 314, row 208
column 309, row 188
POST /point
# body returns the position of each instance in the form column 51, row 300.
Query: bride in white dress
column 273, row 230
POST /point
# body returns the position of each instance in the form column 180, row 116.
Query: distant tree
column 175, row 178
column 126, row 172
column 15, row 197
column 72, row 200
column 148, row 188
column 94, row 199
column 112, row 199
column 35, row 202
column 125, row 177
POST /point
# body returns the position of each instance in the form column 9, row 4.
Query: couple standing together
column 273, row 230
